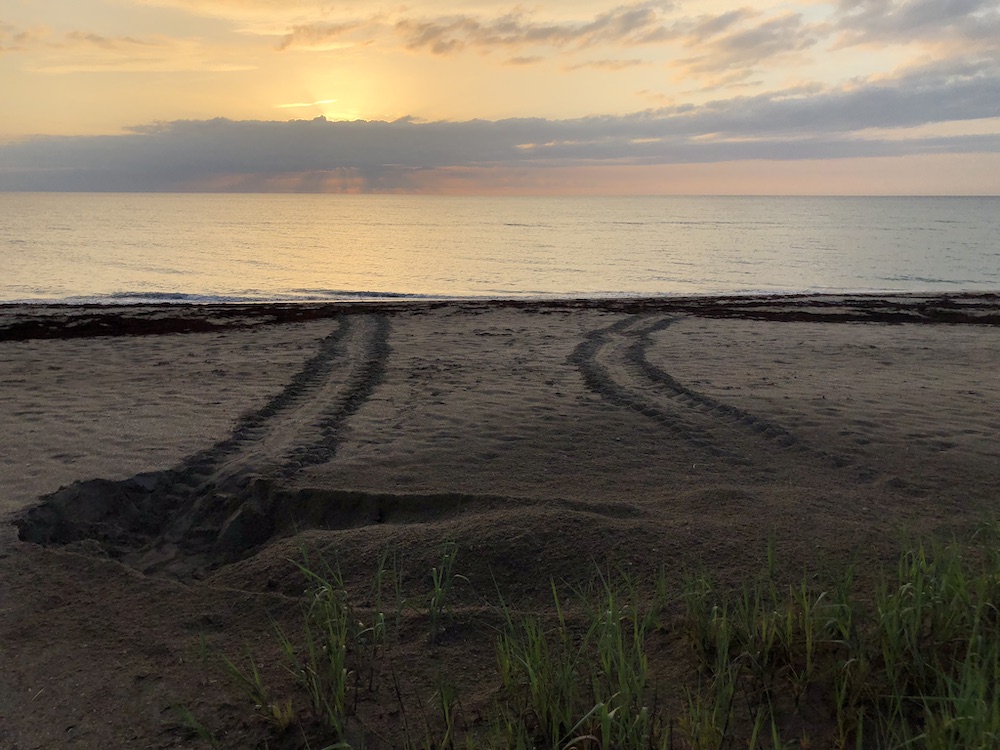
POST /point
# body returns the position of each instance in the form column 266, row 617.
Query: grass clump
column 442, row 579
column 910, row 659
column 913, row 665
column 579, row 688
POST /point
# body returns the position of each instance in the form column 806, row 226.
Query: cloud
column 608, row 64
column 14, row 39
column 238, row 9
column 906, row 21
column 525, row 60
column 938, row 93
column 90, row 39
column 721, row 47
column 88, row 52
column 639, row 23
column 318, row 36
column 705, row 27
column 804, row 123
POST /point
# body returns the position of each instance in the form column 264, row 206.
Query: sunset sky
column 696, row 96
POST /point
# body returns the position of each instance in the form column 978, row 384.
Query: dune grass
column 909, row 660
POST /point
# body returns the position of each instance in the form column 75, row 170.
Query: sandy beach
column 163, row 469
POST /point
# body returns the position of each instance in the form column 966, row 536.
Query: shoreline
column 19, row 322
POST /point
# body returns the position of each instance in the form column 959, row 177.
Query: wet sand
column 184, row 456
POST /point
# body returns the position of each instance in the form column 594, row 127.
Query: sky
column 490, row 97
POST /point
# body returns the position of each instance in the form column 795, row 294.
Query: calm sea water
column 196, row 247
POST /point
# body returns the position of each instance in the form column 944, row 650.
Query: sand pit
column 185, row 458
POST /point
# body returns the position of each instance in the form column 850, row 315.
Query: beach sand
column 187, row 457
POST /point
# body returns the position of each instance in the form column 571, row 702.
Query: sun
column 331, row 109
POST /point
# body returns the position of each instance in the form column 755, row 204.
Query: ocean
column 131, row 248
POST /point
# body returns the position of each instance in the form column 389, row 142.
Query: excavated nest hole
column 148, row 523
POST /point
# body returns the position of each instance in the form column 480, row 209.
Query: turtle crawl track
column 607, row 360
column 614, row 364
column 214, row 506
column 299, row 426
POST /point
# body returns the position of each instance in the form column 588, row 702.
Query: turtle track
column 614, row 364
column 208, row 509
column 703, row 403
column 300, row 426
column 602, row 352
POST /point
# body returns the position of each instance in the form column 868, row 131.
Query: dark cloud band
column 792, row 125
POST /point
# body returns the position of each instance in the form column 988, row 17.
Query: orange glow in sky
column 801, row 96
